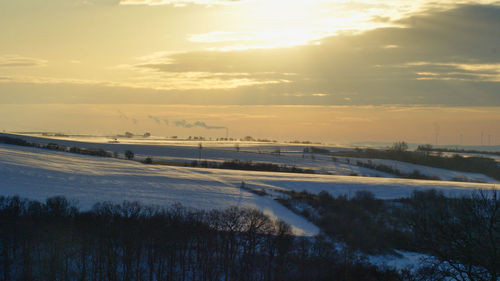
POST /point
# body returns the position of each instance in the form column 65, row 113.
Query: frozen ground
column 404, row 260
column 447, row 175
column 39, row 173
column 466, row 154
column 290, row 154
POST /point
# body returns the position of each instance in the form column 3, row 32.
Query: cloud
column 223, row 36
column 301, row 95
column 122, row 115
column 151, row 75
column 464, row 34
column 200, row 124
column 459, row 47
column 52, row 80
column 183, row 123
column 154, row 118
column 448, row 56
column 204, row 125
column 20, row 61
column 180, row 3
column 157, row 80
column 277, row 23
column 457, row 71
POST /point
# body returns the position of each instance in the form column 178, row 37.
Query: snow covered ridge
column 444, row 174
column 35, row 173
column 39, row 173
column 179, row 151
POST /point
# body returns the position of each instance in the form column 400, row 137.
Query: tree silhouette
column 129, row 155
column 200, row 147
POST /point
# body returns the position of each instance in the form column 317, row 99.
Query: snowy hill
column 290, row 154
column 37, row 173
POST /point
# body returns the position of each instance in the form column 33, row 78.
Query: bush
column 129, row 241
column 462, row 232
column 364, row 223
column 129, row 155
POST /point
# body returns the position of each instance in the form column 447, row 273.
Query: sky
column 423, row 71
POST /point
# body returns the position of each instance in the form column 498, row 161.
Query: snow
column 448, row 175
column 467, row 154
column 36, row 173
column 183, row 151
column 402, row 260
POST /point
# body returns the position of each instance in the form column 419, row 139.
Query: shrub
column 129, row 155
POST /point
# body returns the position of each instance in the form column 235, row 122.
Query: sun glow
column 279, row 23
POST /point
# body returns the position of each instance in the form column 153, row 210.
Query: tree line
column 55, row 241
column 430, row 148
column 422, row 156
column 461, row 235
column 54, row 146
column 416, row 174
column 250, row 166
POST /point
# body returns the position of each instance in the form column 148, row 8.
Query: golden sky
column 330, row 70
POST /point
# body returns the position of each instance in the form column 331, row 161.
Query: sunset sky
column 323, row 70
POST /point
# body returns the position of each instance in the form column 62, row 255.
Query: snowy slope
column 291, row 154
column 39, row 173
column 443, row 174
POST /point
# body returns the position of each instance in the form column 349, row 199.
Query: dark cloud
column 20, row 61
column 200, row 124
column 440, row 57
column 381, row 19
column 183, row 124
column 381, row 66
column 154, row 118
column 204, row 125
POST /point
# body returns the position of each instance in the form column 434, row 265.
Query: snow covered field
column 447, row 175
column 39, row 173
column 290, row 154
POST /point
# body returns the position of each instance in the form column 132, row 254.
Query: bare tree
column 462, row 234
column 200, row 148
column 129, row 155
